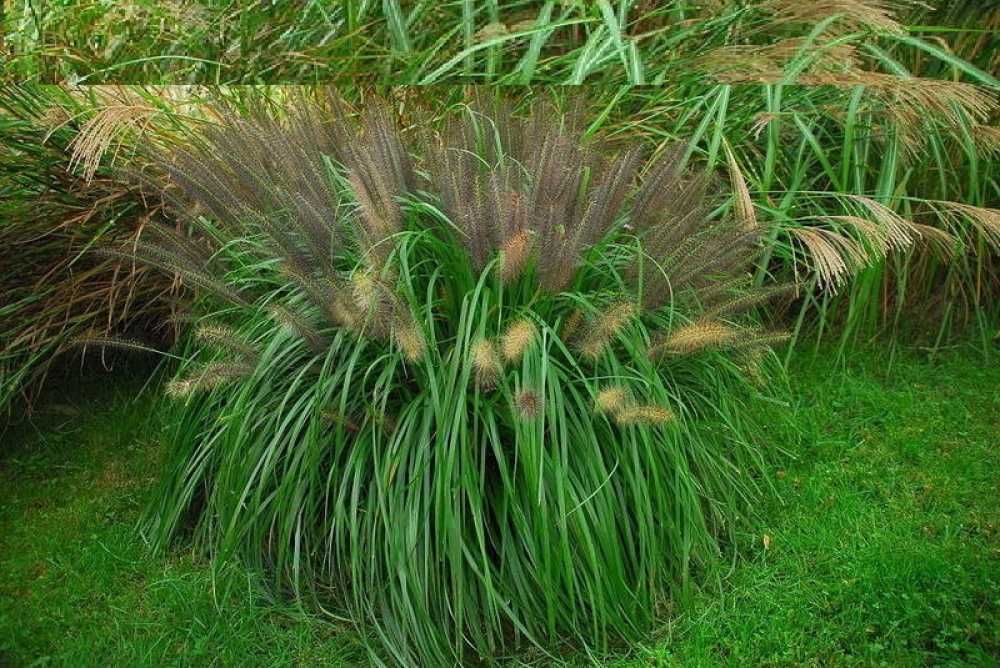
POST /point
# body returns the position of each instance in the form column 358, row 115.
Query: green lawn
column 884, row 547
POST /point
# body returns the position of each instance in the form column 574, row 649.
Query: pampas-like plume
column 874, row 237
column 913, row 102
column 99, row 132
column 944, row 244
column 986, row 221
column 612, row 400
column 909, row 102
column 895, row 228
column 745, row 215
column 648, row 414
column 225, row 338
column 853, row 15
column 602, row 331
column 696, row 337
column 834, row 256
column 410, row 339
column 742, row 61
column 514, row 255
column 486, row 362
column 987, row 138
column 520, row 335
column 209, row 377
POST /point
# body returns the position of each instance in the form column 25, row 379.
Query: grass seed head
column 517, row 339
column 487, row 363
column 209, row 377
column 647, row 414
column 514, row 255
column 612, row 399
column 180, row 389
column 606, row 328
column 225, row 338
column 697, row 336
column 410, row 340
column 528, row 404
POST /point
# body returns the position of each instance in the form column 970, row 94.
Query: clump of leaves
column 492, row 397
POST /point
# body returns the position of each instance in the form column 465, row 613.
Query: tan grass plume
column 612, row 399
column 520, row 335
column 742, row 203
column 696, row 337
column 514, row 255
column 110, row 124
column 647, row 414
column 602, row 331
column 486, row 362
column 410, row 339
column 833, row 257
column 209, row 377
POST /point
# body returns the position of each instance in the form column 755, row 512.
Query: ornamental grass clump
column 484, row 391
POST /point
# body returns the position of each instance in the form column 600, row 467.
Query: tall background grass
column 866, row 130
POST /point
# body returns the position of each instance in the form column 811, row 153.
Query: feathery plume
column 834, row 256
column 606, row 328
column 987, row 138
column 101, row 130
column 695, row 337
column 986, row 221
column 743, row 205
column 225, row 338
column 487, row 363
column 895, row 228
column 853, row 15
column 873, row 236
column 612, row 399
column 520, row 335
column 741, row 61
column 514, row 255
column 647, row 414
column 410, row 339
column 942, row 243
column 209, row 377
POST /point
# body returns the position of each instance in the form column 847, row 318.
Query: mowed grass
column 884, row 547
